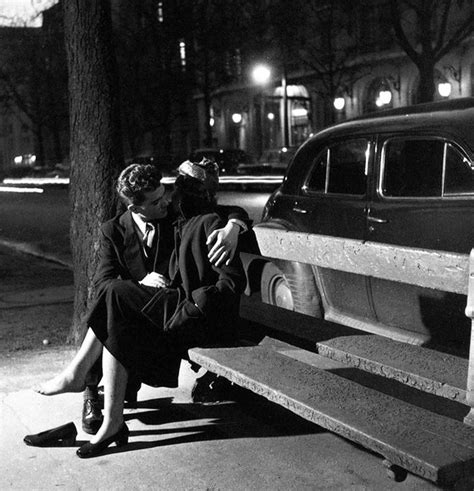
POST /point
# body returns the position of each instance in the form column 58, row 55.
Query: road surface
column 39, row 218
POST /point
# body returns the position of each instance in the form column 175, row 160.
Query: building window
column 159, row 12
column 182, row 54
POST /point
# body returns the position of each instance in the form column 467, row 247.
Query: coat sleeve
column 227, row 212
column 217, row 299
column 109, row 267
column 230, row 281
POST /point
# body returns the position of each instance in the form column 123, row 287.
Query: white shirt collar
column 139, row 222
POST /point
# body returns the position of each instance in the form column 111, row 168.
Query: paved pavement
column 174, row 444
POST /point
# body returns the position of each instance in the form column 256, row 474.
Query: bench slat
column 428, row 370
column 427, row 444
column 441, row 270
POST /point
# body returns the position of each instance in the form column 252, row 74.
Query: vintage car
column 403, row 177
column 272, row 161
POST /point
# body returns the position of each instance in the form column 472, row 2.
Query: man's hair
column 135, row 180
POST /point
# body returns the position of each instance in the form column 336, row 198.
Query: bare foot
column 64, row 382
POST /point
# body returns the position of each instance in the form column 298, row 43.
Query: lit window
column 160, row 12
column 182, row 53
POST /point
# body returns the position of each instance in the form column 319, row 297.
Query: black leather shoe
column 131, row 393
column 211, row 388
column 62, row 436
column 91, row 416
column 89, row 449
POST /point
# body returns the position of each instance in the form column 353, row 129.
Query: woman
column 200, row 306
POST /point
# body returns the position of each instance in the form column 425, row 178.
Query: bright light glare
column 261, row 74
column 271, row 116
column 18, row 159
column 237, row 118
column 339, row 103
column 10, row 189
column 211, row 122
column 444, row 89
column 299, row 112
column 384, row 98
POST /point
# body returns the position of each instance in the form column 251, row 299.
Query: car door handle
column 299, row 210
column 376, row 220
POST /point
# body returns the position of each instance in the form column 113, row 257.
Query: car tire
column 291, row 286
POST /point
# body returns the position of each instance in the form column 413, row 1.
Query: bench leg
column 395, row 472
column 469, row 419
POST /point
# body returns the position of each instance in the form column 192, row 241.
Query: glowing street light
column 237, row 118
column 261, row 75
column 384, row 98
column 444, row 89
column 339, row 103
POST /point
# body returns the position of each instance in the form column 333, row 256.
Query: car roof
column 451, row 118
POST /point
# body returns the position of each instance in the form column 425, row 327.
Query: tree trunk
column 426, row 89
column 39, row 144
column 96, row 147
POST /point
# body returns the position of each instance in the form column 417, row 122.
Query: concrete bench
column 439, row 270
column 434, row 446
column 424, row 369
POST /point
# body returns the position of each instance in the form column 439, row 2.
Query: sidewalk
column 174, row 444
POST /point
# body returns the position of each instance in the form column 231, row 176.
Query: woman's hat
column 206, row 172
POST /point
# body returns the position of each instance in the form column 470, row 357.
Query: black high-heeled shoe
column 89, row 449
column 62, row 436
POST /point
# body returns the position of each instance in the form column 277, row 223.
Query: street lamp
column 261, row 74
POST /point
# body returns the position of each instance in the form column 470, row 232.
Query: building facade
column 378, row 74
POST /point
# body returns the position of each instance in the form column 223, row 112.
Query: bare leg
column 72, row 378
column 115, row 378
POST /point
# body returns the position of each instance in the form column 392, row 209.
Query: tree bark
column 96, row 146
column 426, row 88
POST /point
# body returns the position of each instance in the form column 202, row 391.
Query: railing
column 426, row 268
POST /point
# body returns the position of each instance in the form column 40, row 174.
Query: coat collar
column 133, row 253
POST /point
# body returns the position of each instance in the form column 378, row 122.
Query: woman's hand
column 225, row 245
column 155, row 280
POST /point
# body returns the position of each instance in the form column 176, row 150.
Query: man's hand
column 225, row 244
column 156, row 280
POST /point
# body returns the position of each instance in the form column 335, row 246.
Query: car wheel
column 291, row 286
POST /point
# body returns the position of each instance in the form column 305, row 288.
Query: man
column 136, row 245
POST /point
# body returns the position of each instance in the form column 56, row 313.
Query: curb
column 27, row 248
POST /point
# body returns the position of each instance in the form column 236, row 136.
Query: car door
column 333, row 202
column 424, row 198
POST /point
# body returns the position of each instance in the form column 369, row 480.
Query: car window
column 340, row 168
column 413, row 167
column 459, row 173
